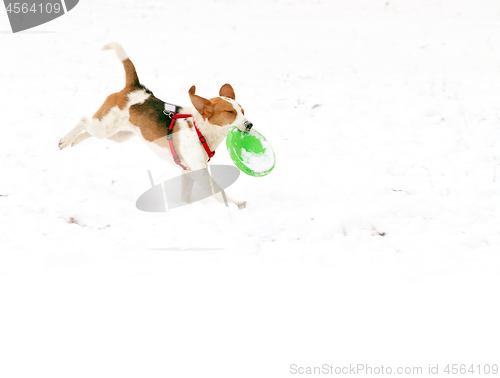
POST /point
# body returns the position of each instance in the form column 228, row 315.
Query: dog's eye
column 231, row 111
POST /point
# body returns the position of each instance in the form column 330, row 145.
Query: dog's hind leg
column 70, row 137
column 80, row 138
column 119, row 137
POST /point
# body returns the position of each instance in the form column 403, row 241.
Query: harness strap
column 204, row 143
column 200, row 136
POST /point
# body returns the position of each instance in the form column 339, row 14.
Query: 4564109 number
column 34, row 8
column 471, row 369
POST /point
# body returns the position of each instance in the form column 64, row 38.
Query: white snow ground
column 376, row 239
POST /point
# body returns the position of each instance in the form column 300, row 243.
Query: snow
column 375, row 239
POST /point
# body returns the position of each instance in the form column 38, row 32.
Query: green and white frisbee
column 251, row 152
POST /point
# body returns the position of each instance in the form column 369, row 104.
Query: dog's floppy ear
column 204, row 106
column 227, row 91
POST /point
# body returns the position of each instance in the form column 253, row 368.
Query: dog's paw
column 242, row 205
column 63, row 143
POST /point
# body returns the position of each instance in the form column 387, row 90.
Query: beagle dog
column 182, row 136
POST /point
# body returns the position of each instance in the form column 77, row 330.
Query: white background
column 375, row 240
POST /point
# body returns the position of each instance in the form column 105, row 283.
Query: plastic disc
column 251, row 152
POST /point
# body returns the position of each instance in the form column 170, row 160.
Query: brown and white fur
column 135, row 111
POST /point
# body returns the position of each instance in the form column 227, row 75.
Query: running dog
column 183, row 136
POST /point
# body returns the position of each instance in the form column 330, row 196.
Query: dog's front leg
column 196, row 161
column 205, row 187
column 215, row 190
column 187, row 182
column 222, row 196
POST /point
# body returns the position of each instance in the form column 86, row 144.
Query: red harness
column 200, row 136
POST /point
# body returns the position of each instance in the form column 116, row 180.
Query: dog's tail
column 132, row 80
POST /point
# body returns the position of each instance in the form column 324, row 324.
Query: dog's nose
column 248, row 126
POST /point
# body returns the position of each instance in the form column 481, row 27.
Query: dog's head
column 221, row 111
